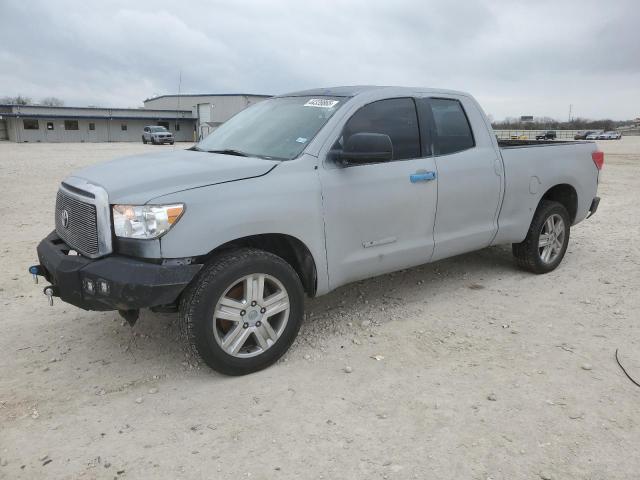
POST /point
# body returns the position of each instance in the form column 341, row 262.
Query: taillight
column 598, row 159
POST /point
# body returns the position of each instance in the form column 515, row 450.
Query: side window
column 451, row 127
column 395, row 117
column 30, row 124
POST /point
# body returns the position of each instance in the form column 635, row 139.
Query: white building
column 210, row 110
column 189, row 117
column 39, row 123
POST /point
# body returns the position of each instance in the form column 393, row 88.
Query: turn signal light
column 598, row 159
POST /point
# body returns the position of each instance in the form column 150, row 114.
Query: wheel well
column 566, row 195
column 289, row 248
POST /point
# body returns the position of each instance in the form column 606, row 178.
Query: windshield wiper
column 229, row 151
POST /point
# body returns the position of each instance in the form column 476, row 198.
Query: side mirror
column 361, row 148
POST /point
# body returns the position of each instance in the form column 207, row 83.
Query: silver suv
column 157, row 134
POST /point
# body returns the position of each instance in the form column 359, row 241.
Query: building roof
column 139, row 109
column 44, row 111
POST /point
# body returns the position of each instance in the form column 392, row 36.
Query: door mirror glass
column 366, row 147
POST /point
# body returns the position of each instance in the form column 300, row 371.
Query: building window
column 92, row 126
column 123, row 127
column 49, row 125
column 30, row 124
column 177, row 127
column 71, row 125
column 164, row 124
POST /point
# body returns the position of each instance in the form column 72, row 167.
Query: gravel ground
column 463, row 369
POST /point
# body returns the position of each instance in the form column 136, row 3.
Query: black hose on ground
column 625, row 372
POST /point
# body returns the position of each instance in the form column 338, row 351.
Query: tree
column 19, row 100
column 52, row 102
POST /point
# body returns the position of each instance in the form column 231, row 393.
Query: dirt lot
column 488, row 371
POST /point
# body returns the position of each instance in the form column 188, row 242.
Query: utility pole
column 570, row 107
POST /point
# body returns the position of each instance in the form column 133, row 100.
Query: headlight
column 145, row 221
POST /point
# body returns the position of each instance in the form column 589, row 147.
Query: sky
column 516, row 57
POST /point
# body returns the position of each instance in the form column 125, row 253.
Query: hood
column 161, row 133
column 138, row 179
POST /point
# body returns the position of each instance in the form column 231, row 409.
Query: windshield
column 158, row 129
column 277, row 128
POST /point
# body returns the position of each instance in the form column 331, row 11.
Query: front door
column 379, row 217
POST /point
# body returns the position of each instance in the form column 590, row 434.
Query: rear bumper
column 130, row 283
column 594, row 207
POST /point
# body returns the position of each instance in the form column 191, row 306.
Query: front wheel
column 547, row 239
column 243, row 311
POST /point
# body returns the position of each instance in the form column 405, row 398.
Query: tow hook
column 50, row 292
column 35, row 270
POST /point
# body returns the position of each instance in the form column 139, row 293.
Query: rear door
column 470, row 175
column 379, row 216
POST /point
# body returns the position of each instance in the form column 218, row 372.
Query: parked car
column 301, row 194
column 610, row 136
column 594, row 136
column 548, row 135
column 582, row 135
column 157, row 135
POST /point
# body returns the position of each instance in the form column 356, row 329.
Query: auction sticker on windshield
column 321, row 103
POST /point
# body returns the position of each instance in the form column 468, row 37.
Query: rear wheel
column 243, row 311
column 143, row 140
column 546, row 242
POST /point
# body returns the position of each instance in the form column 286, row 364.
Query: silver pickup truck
column 300, row 194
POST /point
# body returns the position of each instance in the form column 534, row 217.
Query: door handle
column 422, row 177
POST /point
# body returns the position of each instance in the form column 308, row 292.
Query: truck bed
column 531, row 168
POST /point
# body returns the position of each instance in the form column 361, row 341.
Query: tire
column 225, row 278
column 153, row 141
column 143, row 140
column 529, row 254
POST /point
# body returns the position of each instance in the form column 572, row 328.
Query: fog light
column 89, row 286
column 103, row 287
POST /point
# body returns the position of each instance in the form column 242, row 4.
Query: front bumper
column 131, row 283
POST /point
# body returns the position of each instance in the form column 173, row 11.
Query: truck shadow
column 476, row 270
column 158, row 335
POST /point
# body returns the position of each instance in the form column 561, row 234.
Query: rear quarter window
column 452, row 130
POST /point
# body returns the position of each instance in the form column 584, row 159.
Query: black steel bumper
column 594, row 207
column 118, row 282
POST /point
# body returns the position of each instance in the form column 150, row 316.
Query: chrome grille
column 81, row 229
